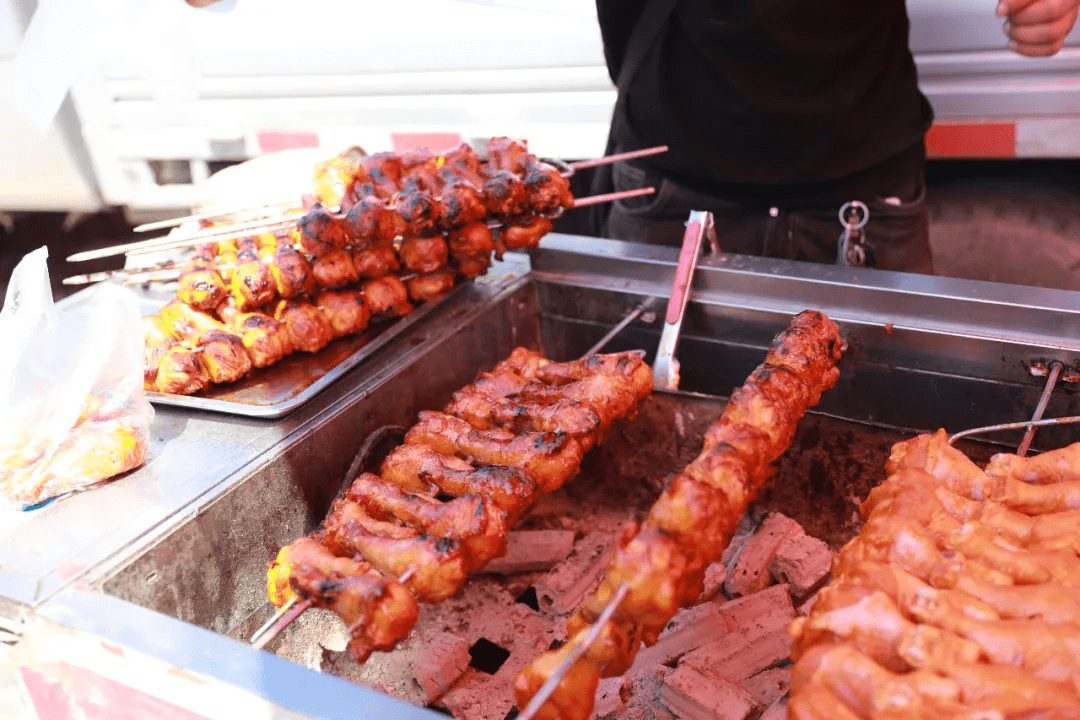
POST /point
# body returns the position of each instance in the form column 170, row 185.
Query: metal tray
column 275, row 391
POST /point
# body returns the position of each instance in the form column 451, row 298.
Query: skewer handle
column 612, row 196
column 618, row 157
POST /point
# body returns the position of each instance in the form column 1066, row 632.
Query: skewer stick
column 282, row 622
column 172, row 242
column 630, row 317
column 619, row 157
column 1015, row 426
column 242, row 230
column 612, row 196
column 174, row 222
column 224, row 232
column 128, row 275
column 276, row 616
column 166, row 271
column 553, row 682
column 210, row 214
column 1055, row 372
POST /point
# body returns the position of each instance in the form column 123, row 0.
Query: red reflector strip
column 972, row 140
column 277, row 140
column 435, row 142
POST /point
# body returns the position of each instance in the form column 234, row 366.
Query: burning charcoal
column 562, row 589
column 751, row 571
column 694, row 694
column 441, row 666
column 770, row 685
column 803, row 562
column 687, row 631
column 532, row 550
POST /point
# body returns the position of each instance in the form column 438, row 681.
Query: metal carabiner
column 853, row 249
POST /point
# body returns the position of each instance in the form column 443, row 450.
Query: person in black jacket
column 776, row 113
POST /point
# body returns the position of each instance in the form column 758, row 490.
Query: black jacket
column 769, row 92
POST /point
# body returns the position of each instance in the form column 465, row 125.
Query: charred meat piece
column 424, row 254
column 387, row 296
column 308, row 327
column 430, row 286
column 552, row 457
column 345, row 309
column 376, row 261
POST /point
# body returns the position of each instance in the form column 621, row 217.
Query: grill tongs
column 666, row 367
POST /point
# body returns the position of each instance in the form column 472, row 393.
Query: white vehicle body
column 162, row 94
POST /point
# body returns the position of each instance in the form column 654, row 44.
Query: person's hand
column 1037, row 28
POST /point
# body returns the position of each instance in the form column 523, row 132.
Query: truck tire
column 1018, row 231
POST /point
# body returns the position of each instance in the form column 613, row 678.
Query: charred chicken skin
column 694, row 518
column 440, row 508
column 552, row 457
column 381, row 609
column 418, row 213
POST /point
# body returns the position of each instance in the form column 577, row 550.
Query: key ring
column 860, row 209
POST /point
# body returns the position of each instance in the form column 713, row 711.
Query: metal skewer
column 630, row 317
column 174, row 222
column 274, row 618
column 282, row 620
column 242, row 230
column 618, row 157
column 165, row 271
column 1055, row 372
column 552, row 682
column 612, row 196
column 1071, row 419
column 172, row 242
column 210, row 214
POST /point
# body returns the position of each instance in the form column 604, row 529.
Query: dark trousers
column 897, row 232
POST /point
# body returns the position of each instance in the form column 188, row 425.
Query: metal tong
column 666, row 367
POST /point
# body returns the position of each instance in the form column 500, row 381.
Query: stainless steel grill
column 148, row 581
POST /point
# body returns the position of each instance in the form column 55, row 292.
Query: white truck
column 161, row 94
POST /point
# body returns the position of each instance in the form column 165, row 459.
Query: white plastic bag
column 72, row 407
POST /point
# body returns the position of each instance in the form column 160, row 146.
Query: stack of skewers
column 379, row 234
column 444, row 501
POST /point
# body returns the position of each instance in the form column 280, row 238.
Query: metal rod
column 194, row 217
column 277, row 616
column 174, row 222
column 224, row 232
column 631, row 316
column 613, row 196
column 172, row 242
column 552, row 683
column 619, row 157
column 127, row 274
column 169, row 271
column 285, row 619
column 1015, row 426
column 1055, row 372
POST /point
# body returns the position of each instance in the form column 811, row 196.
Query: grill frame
column 923, row 352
